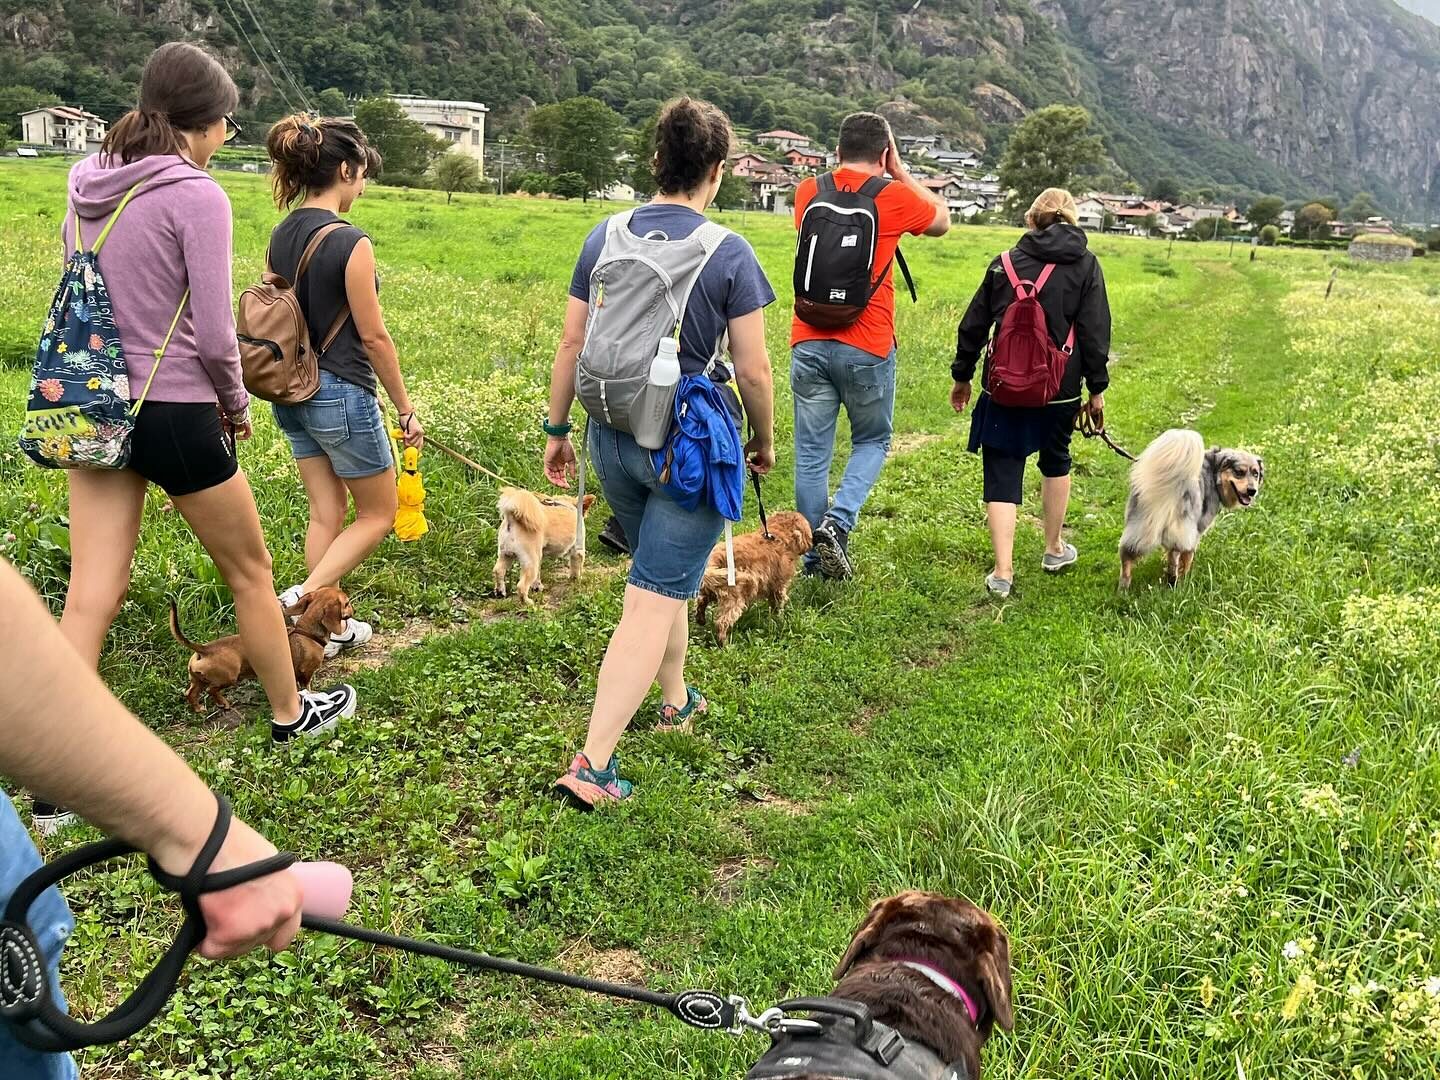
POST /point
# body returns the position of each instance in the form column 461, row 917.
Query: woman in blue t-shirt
column 670, row 545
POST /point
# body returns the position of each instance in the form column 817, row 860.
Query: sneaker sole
column 580, row 795
column 1055, row 568
column 833, row 562
column 49, row 826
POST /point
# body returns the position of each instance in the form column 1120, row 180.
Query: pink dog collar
column 949, row 985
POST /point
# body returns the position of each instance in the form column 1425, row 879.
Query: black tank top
column 322, row 292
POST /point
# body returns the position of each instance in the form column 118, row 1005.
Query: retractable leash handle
column 27, row 998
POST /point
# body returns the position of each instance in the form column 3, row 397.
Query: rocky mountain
column 1295, row 97
column 1328, row 91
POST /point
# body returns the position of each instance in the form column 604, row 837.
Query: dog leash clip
column 771, row 1022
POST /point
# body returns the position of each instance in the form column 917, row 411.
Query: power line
column 299, row 89
column 276, row 83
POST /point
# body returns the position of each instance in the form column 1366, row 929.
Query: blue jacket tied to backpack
column 703, row 461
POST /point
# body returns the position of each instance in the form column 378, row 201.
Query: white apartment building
column 460, row 123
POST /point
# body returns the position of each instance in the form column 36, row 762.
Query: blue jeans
column 825, row 375
column 670, row 546
column 342, row 422
column 50, row 919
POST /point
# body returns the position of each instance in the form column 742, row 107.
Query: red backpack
column 1025, row 366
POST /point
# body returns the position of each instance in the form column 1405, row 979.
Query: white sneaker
column 290, row 597
column 320, row 711
column 49, row 819
column 356, row 633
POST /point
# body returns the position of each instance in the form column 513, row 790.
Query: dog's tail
column 1170, row 462
column 177, row 633
column 523, row 508
column 1168, row 468
column 717, row 578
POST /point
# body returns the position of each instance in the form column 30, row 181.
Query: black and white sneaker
column 320, row 711
column 355, row 634
column 49, row 819
column 832, row 544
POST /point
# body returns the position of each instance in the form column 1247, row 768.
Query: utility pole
column 504, row 145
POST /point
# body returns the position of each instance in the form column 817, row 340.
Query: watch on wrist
column 556, row 431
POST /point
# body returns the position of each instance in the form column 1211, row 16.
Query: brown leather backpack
column 278, row 360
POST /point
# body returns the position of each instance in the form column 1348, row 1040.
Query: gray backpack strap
column 711, row 235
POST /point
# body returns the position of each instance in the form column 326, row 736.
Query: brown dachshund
column 220, row 664
column 935, row 969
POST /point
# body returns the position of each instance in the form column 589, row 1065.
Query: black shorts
column 181, row 447
column 1005, row 473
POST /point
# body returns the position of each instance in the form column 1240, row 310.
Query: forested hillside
column 1243, row 95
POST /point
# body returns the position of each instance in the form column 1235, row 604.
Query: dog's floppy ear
column 1260, row 464
column 332, row 615
column 589, row 502
column 993, row 969
column 866, row 936
column 301, row 605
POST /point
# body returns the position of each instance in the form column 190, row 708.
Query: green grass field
column 1209, row 817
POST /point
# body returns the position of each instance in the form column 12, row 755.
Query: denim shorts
column 50, row 919
column 341, row 422
column 670, row 546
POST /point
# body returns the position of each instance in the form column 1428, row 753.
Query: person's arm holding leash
column 895, row 166
column 66, row 737
column 970, row 340
column 364, row 300
column 1092, row 337
column 756, row 386
column 559, row 451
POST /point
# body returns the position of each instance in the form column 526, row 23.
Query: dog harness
column 848, row 1045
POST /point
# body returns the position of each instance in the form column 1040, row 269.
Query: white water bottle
column 665, row 368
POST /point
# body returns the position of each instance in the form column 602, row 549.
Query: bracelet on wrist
column 557, row 431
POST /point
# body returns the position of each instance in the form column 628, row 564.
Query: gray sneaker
column 1054, row 563
column 997, row 586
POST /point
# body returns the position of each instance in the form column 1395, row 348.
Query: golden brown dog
column 763, row 568
column 220, row 664
column 530, row 529
column 934, row 968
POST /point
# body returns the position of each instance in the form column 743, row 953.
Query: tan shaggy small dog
column 763, row 568
column 530, row 529
column 218, row 665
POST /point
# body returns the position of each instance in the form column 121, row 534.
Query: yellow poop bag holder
column 410, row 523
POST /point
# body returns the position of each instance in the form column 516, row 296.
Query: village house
column 460, row 123
column 955, row 159
column 62, row 128
column 745, row 165
column 805, row 159
column 1092, row 213
column 949, row 189
column 783, row 140
column 920, row 145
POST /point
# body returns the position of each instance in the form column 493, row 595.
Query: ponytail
column 141, row 133
column 307, row 154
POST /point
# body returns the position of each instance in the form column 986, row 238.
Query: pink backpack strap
column 1015, row 282
column 1044, row 277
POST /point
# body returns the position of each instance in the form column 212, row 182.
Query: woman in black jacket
column 1004, row 435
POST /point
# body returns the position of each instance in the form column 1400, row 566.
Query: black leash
column 760, row 502
column 27, row 998
column 1088, row 425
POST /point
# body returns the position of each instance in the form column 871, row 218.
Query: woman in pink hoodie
column 173, row 235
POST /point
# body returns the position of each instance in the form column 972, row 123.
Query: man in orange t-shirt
column 854, row 366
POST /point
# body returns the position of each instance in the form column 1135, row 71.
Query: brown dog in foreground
column 934, row 968
column 530, row 529
column 220, row 664
column 763, row 568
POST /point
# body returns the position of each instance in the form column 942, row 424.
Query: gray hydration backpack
column 638, row 292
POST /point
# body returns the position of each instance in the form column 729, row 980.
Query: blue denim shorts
column 342, row 422
column 670, row 546
column 50, row 919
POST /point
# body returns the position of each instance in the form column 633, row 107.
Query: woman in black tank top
column 338, row 436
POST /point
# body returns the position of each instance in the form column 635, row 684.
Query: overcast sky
column 1429, row 8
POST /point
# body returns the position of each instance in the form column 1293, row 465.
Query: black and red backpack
column 835, row 274
column 1025, row 366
